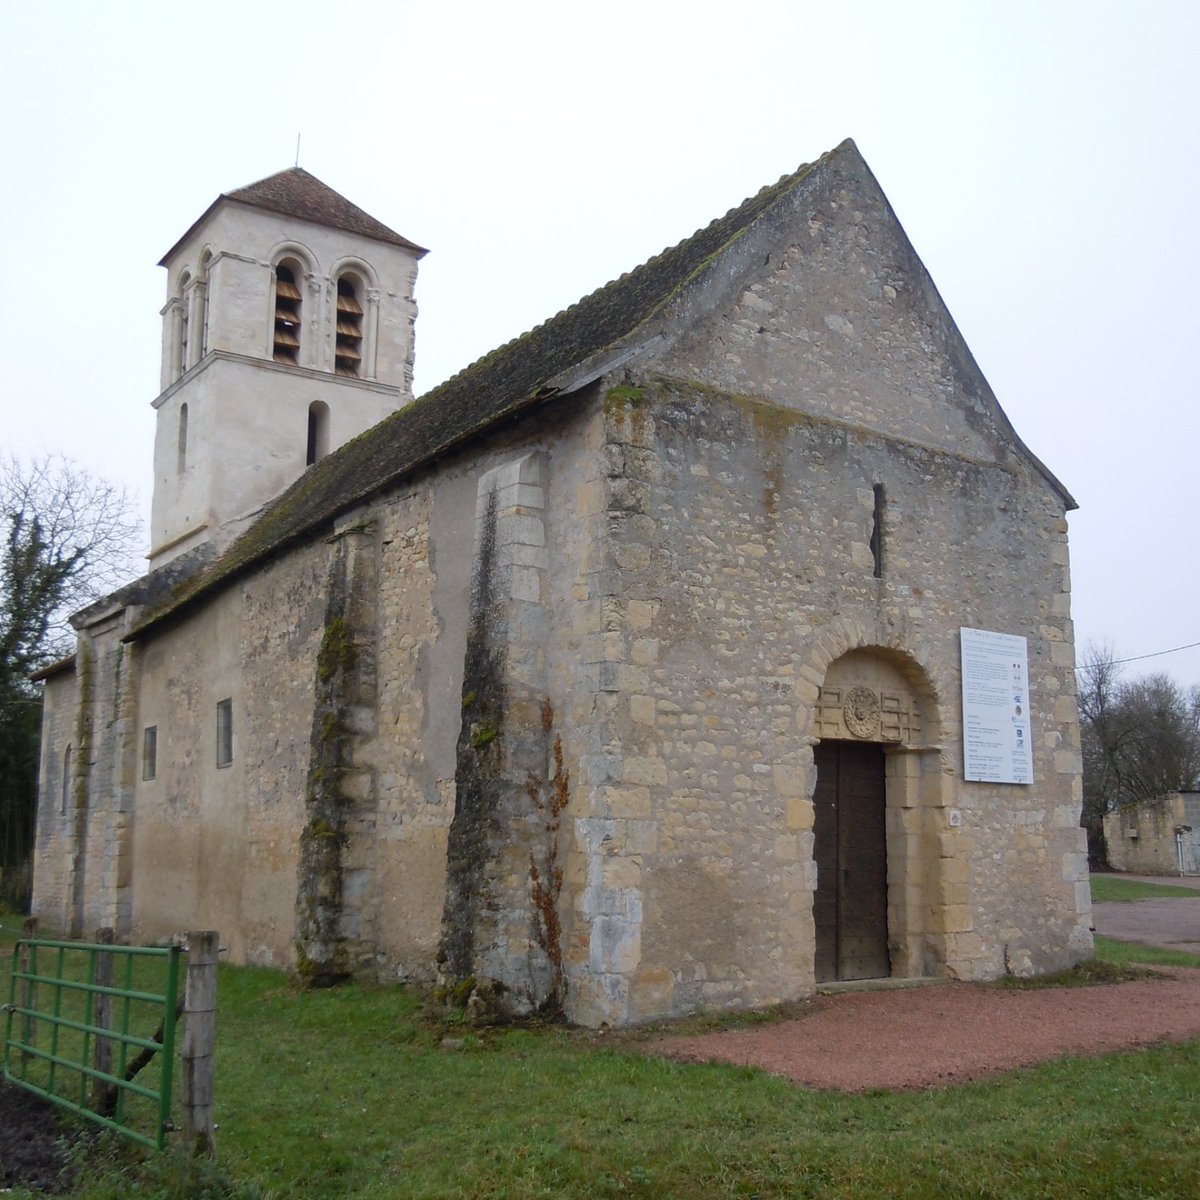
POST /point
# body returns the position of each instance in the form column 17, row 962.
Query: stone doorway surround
column 881, row 695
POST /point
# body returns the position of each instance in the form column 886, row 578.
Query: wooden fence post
column 199, row 1039
column 102, row 1017
column 29, row 929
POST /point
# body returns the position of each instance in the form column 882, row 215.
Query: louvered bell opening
column 347, row 356
column 346, row 303
column 285, row 289
column 349, row 327
column 286, row 336
column 284, row 354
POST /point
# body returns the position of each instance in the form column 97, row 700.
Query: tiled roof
column 495, row 387
column 296, row 193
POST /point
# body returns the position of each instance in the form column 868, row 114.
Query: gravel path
column 949, row 1033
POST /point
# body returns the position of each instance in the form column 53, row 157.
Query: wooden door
column 850, row 903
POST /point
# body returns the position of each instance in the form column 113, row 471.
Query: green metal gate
column 70, row 1038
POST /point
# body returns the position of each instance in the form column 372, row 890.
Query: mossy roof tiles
column 491, row 389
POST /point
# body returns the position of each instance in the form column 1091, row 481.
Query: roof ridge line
column 793, row 176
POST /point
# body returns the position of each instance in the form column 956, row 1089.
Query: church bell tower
column 288, row 330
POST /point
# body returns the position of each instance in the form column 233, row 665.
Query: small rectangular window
column 150, row 752
column 224, row 733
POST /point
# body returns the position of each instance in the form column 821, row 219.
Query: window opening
column 205, row 263
column 348, row 352
column 877, row 531
column 184, row 301
column 224, row 732
column 150, row 752
column 286, row 345
column 181, row 454
column 318, row 432
column 66, row 780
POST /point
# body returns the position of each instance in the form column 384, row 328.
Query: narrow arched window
column 205, row 263
column 181, row 448
column 348, row 351
column 184, row 301
column 286, row 346
column 318, row 432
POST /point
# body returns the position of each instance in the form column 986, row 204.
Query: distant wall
column 1142, row 840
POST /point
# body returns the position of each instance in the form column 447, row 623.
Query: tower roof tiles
column 297, row 193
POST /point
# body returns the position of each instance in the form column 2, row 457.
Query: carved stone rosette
column 860, row 712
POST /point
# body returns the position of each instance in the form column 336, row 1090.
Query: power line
column 1156, row 654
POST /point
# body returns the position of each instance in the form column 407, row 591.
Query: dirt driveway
column 944, row 1033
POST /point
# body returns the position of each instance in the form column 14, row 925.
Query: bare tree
column 1141, row 740
column 68, row 538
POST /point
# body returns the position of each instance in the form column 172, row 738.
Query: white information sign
column 997, row 746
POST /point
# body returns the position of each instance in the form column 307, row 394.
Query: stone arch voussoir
column 918, row 660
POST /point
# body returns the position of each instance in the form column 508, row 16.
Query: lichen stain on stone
column 773, row 484
column 322, row 956
column 550, row 799
column 477, row 771
column 85, row 667
column 337, row 649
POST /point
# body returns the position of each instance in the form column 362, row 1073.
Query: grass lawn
column 354, row 1092
column 1128, row 953
column 1113, row 887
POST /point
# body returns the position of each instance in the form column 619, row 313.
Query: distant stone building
column 621, row 672
column 1157, row 837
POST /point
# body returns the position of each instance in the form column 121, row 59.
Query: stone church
column 628, row 672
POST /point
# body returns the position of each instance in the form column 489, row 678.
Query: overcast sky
column 1043, row 157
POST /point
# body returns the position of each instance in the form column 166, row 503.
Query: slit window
column 224, row 732
column 66, row 780
column 150, row 752
column 348, row 350
column 181, row 449
column 877, row 531
column 286, row 344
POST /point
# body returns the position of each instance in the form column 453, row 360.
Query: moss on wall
column 336, row 654
column 322, row 955
column 85, row 671
column 550, row 798
column 478, row 759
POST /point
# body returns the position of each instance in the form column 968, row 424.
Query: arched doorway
column 877, row 801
